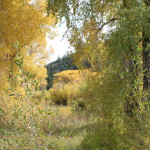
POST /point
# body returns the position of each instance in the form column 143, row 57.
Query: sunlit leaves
column 24, row 25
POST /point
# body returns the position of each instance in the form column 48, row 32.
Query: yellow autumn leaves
column 23, row 24
column 67, row 87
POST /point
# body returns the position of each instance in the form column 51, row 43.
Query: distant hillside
column 61, row 64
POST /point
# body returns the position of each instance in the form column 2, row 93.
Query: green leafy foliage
column 113, row 36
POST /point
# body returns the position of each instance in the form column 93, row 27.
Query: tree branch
column 105, row 23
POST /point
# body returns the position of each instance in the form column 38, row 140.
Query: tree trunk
column 146, row 58
column 146, row 62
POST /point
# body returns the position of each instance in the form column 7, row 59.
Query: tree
column 23, row 31
column 114, row 37
column 23, row 28
column 24, row 25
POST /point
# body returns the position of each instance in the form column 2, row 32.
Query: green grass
column 64, row 129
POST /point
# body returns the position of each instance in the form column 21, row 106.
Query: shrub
column 64, row 96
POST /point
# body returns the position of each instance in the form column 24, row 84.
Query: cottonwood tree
column 114, row 37
column 24, row 25
column 23, row 28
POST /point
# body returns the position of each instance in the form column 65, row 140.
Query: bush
column 64, row 96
